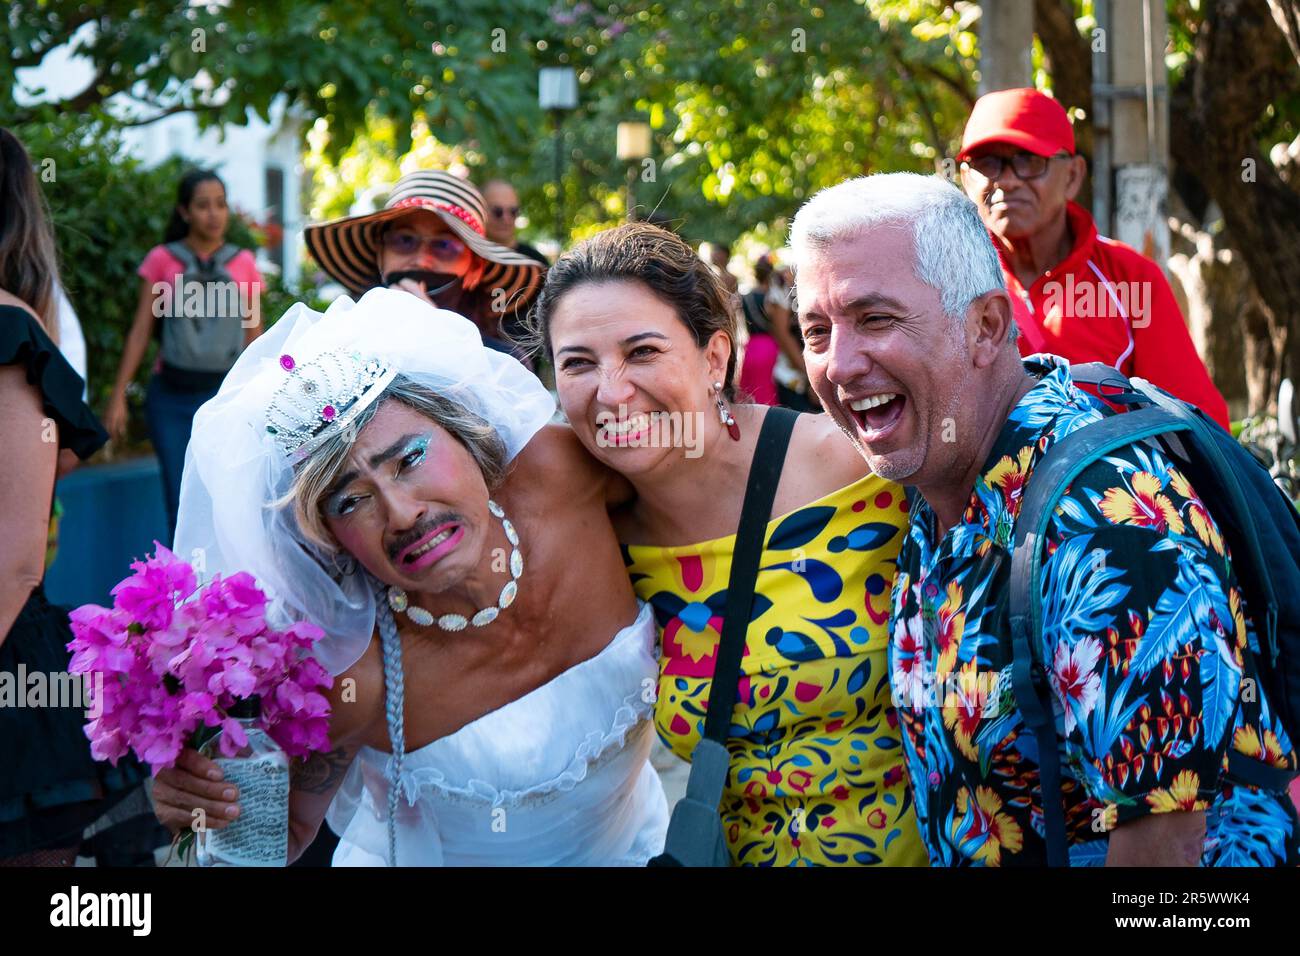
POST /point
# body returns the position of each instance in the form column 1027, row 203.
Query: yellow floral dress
column 816, row 772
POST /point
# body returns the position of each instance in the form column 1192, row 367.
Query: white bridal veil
column 234, row 467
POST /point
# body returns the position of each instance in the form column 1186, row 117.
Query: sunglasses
column 1026, row 165
column 501, row 212
column 446, row 248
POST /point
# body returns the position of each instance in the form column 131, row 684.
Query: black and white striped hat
column 348, row 248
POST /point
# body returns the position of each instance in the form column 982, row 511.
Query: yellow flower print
column 1144, row 507
column 697, row 645
column 1008, row 476
column 1238, row 623
column 962, row 710
column 1181, row 795
column 1196, row 512
column 1246, row 740
column 999, row 830
column 950, row 626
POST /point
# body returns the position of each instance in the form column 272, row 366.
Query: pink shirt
column 161, row 266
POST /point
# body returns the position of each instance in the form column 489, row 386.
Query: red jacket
column 1106, row 302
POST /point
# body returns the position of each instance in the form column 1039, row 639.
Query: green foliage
column 108, row 210
column 331, row 60
column 753, row 104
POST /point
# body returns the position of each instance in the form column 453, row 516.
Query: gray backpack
column 206, row 335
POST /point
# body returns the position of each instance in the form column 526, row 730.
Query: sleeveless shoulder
column 23, row 342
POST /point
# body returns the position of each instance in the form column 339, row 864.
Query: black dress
column 50, row 787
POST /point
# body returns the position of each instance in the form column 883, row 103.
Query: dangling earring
column 724, row 413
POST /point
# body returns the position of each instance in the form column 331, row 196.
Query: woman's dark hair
column 763, row 269
column 29, row 262
column 178, row 228
column 658, row 259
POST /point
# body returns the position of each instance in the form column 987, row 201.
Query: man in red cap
column 1076, row 294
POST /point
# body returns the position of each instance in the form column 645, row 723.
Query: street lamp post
column 632, row 147
column 557, row 91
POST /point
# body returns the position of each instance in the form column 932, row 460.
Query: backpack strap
column 184, row 255
column 221, row 258
column 1110, row 384
column 192, row 264
column 1064, row 461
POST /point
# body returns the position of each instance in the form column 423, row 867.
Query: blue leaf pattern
column 1142, row 630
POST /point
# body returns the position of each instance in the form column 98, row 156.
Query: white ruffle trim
column 595, row 749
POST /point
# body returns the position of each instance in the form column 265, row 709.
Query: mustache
column 408, row 538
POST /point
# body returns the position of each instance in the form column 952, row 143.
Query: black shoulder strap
column 1064, row 461
column 710, row 759
column 760, row 492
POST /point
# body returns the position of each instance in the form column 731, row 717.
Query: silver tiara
column 321, row 396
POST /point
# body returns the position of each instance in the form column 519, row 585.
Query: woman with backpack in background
column 208, row 292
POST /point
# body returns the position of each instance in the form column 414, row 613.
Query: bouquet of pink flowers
column 176, row 657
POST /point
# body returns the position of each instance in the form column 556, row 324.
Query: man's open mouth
column 877, row 415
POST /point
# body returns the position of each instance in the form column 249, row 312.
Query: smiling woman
column 642, row 332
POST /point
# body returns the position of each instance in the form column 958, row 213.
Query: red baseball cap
column 1025, row 118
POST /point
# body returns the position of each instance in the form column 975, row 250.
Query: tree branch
column 172, row 111
column 956, row 83
column 92, row 95
column 908, row 77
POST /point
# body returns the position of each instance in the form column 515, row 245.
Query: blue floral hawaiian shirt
column 1146, row 639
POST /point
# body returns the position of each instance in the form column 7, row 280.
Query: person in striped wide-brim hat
column 429, row 240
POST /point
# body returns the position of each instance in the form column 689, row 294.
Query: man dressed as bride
column 388, row 478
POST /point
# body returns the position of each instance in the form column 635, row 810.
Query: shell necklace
column 398, row 601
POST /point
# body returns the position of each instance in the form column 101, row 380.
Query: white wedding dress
column 559, row 777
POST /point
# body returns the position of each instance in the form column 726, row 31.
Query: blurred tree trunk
column 1242, row 63
column 1211, row 279
column 1241, row 286
column 1067, row 57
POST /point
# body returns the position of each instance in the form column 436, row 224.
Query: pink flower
column 174, row 661
column 149, row 596
column 233, row 738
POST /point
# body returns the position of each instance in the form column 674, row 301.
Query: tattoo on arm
column 320, row 773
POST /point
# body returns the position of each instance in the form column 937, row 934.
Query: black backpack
column 1259, row 524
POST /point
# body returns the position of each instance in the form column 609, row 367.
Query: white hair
column 953, row 251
